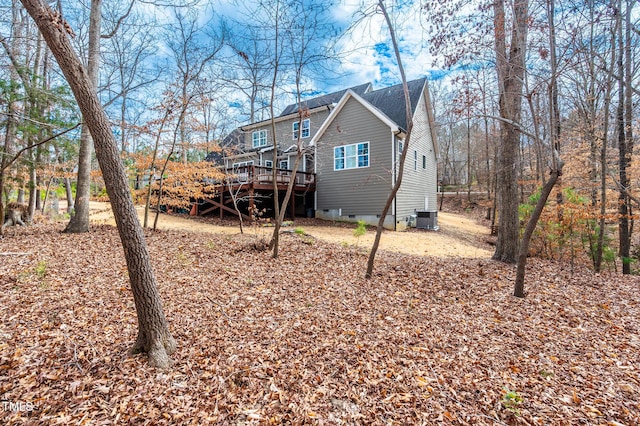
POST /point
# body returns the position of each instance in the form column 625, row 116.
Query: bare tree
column 510, row 68
column 624, row 119
column 79, row 221
column 154, row 336
column 409, row 112
column 304, row 27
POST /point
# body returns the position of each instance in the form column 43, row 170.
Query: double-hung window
column 306, row 128
column 352, row 156
column 259, row 138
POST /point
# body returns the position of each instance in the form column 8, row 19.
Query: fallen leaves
column 305, row 339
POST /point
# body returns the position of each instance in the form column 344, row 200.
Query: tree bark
column 603, row 161
column 409, row 112
column 154, row 337
column 624, row 148
column 518, row 290
column 626, row 211
column 510, row 71
column 69, row 192
column 79, row 222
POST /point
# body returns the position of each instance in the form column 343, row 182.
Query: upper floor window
column 306, row 128
column 259, row 138
column 352, row 156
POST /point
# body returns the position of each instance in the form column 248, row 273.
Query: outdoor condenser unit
column 427, row 220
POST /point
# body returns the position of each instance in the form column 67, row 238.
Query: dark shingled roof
column 329, row 99
column 390, row 100
column 231, row 143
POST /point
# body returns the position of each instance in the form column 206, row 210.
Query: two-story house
column 352, row 142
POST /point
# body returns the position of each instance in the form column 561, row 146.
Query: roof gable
column 386, row 104
column 345, row 98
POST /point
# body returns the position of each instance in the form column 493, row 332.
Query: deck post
column 293, row 204
column 221, row 201
column 251, row 203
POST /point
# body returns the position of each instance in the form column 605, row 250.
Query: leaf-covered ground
column 304, row 339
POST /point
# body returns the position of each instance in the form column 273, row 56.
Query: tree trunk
column 153, row 331
column 79, row 222
column 403, row 156
column 510, row 81
column 518, row 290
column 274, row 244
column 69, row 192
column 603, row 160
column 554, row 108
column 624, row 155
column 626, row 221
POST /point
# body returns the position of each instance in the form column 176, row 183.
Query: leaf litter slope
column 304, row 339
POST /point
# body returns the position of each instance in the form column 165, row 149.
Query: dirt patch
column 458, row 236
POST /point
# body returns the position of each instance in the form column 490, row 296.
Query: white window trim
column 285, row 162
column 306, row 125
column 243, row 163
column 260, row 139
column 345, row 158
column 268, row 163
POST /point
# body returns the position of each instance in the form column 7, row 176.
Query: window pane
column 339, row 164
column 363, row 161
column 338, row 152
column 351, row 162
column 351, row 150
column 363, row 148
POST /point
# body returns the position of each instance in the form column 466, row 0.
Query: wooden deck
column 251, row 185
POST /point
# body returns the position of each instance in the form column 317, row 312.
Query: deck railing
column 264, row 175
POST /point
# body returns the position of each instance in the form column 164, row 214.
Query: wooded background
column 175, row 79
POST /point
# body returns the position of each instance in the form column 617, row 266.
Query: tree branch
column 42, row 142
column 120, row 20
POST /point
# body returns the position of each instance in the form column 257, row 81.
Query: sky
column 365, row 47
column 369, row 51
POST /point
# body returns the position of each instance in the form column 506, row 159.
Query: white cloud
column 368, row 52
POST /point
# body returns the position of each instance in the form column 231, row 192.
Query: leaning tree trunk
column 518, row 290
column 153, row 331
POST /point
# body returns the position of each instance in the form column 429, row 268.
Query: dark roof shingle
column 328, row 99
column 390, row 100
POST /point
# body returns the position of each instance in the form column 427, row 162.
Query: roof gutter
column 400, row 133
column 281, row 118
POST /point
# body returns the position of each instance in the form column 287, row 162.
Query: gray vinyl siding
column 360, row 191
column 421, row 183
column 284, row 130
